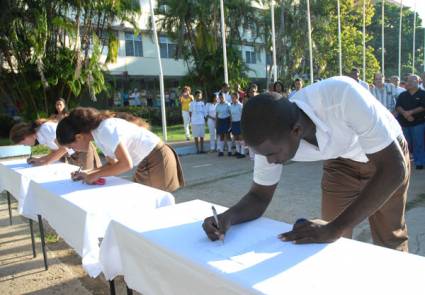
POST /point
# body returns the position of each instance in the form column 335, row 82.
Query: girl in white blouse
column 43, row 132
column 211, row 121
column 125, row 145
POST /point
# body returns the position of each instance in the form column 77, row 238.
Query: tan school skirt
column 86, row 160
column 160, row 169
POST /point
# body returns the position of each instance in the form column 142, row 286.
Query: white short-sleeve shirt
column 236, row 111
column 138, row 141
column 350, row 123
column 211, row 109
column 226, row 95
column 46, row 135
column 198, row 111
column 222, row 110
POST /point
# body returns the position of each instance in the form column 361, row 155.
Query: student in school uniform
column 197, row 112
column 185, row 99
column 43, row 132
column 60, row 110
column 236, row 114
column 211, row 121
column 223, row 125
column 124, row 145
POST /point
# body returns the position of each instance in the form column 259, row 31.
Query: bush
column 6, row 123
column 153, row 115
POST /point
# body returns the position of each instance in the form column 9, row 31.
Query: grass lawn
column 176, row 132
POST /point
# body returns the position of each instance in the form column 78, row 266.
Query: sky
column 420, row 7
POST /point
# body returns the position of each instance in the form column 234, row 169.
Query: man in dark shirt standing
column 411, row 116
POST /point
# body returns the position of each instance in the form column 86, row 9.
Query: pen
column 216, row 220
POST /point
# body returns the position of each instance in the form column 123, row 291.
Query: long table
column 16, row 176
column 78, row 212
column 167, row 252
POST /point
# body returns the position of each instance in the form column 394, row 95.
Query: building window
column 168, row 49
column 250, row 57
column 133, row 44
column 269, row 60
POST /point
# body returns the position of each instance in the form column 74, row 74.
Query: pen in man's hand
column 216, row 222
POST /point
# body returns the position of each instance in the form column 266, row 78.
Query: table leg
column 34, row 254
column 129, row 291
column 43, row 243
column 9, row 207
column 112, row 287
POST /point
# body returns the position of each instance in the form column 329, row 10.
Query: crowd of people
column 222, row 112
column 406, row 101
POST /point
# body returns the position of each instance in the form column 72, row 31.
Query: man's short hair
column 267, row 116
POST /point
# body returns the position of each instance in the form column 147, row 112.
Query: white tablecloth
column 78, row 212
column 167, row 252
column 16, row 175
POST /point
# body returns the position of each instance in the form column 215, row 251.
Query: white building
column 137, row 66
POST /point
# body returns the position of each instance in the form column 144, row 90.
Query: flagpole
column 310, row 43
column 274, row 43
column 223, row 38
column 161, row 74
column 339, row 38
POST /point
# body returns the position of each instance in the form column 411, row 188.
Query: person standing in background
column 236, row 114
column 385, row 93
column 422, row 81
column 225, row 92
column 185, row 99
column 355, row 74
column 298, row 84
column 396, row 82
column 60, row 110
column 198, row 113
column 223, row 126
column 411, row 116
column 86, row 160
column 211, row 121
column 241, row 93
column 279, row 88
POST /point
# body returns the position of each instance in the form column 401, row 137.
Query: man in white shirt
column 226, row 93
column 366, row 169
column 386, row 93
column 396, row 82
column 422, row 83
column 298, row 84
column 355, row 74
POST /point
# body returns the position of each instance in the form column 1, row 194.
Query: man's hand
column 408, row 115
column 312, row 231
column 213, row 231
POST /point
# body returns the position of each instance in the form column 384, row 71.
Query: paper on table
column 253, row 235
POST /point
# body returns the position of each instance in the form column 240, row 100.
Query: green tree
column 391, row 25
column 292, row 45
column 51, row 49
column 195, row 26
